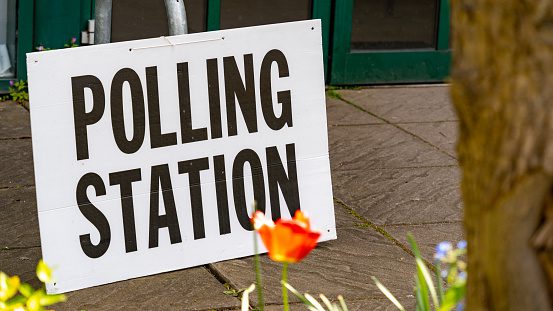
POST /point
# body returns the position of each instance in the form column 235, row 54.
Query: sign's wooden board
column 149, row 154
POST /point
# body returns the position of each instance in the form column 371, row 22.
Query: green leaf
column 453, row 296
column 17, row 300
column 26, row 290
column 419, row 297
column 388, row 294
column 428, row 281
column 33, row 303
column 48, row 300
column 43, row 272
column 8, row 286
column 439, row 283
column 425, row 282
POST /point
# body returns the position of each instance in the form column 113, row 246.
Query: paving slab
column 21, row 262
column 14, row 121
column 188, row 289
column 428, row 236
column 16, row 163
column 440, row 134
column 380, row 146
column 339, row 112
column 19, row 221
column 342, row 266
column 405, row 104
column 402, row 196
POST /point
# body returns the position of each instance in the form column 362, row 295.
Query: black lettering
column 221, row 192
column 266, row 94
column 240, row 204
column 139, row 117
column 125, row 179
column 157, row 139
column 193, row 168
column 214, row 98
column 277, row 178
column 94, row 215
column 188, row 134
column 244, row 93
column 161, row 176
column 80, row 116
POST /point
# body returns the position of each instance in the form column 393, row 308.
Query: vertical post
column 176, row 17
column 102, row 24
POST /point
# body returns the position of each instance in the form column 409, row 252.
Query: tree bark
column 502, row 89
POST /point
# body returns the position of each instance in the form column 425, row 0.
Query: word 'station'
column 149, row 157
column 236, row 92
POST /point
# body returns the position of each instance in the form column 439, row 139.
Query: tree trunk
column 502, row 89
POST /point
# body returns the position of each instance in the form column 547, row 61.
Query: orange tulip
column 289, row 240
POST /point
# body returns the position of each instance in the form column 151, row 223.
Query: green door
column 390, row 41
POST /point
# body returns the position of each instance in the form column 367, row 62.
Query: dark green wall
column 57, row 21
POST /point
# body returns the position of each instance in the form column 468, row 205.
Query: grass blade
column 246, row 298
column 326, row 302
column 428, row 281
column 425, row 280
column 439, row 283
column 388, row 294
column 314, row 302
column 297, row 294
column 343, row 303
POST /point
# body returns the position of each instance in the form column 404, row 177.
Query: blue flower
column 444, row 273
column 462, row 276
column 462, row 244
column 442, row 249
column 12, row 82
column 460, row 306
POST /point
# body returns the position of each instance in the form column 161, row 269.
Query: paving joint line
column 15, row 248
column 338, row 96
column 396, row 168
column 421, row 224
column 25, row 106
column 360, row 124
column 396, row 123
column 221, row 278
column 380, row 230
column 427, row 122
column 221, row 309
column 17, row 187
column 387, row 86
column 15, row 138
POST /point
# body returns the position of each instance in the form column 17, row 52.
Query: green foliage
column 72, row 43
column 17, row 296
column 313, row 304
column 230, row 291
column 18, row 91
column 426, row 293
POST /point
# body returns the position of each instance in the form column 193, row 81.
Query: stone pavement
column 394, row 171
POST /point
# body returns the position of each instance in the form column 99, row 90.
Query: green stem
column 257, row 265
column 284, row 289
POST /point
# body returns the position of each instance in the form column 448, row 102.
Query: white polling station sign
column 149, row 154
